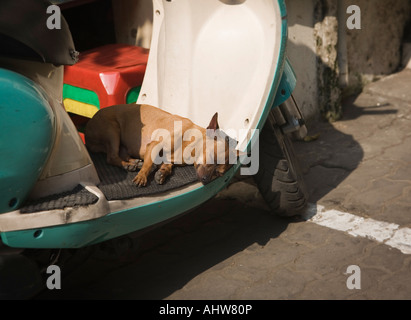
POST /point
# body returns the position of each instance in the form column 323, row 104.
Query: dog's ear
column 214, row 122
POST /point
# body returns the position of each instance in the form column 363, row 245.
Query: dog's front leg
column 140, row 179
column 162, row 173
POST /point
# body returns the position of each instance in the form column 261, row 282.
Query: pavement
column 353, row 242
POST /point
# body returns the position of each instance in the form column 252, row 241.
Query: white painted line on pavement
column 388, row 233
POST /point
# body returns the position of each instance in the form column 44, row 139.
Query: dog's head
column 218, row 150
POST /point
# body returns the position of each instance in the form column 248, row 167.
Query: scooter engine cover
column 27, row 131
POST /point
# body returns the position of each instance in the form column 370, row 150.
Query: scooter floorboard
column 79, row 196
column 116, row 184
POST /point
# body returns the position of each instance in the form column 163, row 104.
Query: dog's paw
column 160, row 177
column 140, row 180
column 133, row 165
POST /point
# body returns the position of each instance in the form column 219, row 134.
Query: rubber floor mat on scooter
column 79, row 196
column 117, row 183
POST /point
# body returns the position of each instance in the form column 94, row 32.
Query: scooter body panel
column 27, row 135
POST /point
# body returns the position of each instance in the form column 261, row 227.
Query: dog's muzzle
column 205, row 174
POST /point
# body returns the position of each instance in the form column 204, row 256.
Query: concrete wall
column 302, row 53
column 376, row 49
column 332, row 60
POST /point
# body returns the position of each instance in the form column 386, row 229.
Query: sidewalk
column 365, row 159
column 233, row 249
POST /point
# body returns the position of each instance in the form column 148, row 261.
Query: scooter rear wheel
column 280, row 179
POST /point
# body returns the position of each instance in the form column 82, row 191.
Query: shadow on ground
column 330, row 159
column 161, row 261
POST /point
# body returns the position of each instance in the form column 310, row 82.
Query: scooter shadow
column 332, row 155
column 161, row 261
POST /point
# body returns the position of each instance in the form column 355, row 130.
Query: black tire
column 280, row 179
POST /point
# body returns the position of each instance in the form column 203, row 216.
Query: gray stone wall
column 345, row 60
column 376, row 49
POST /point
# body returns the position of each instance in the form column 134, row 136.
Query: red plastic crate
column 110, row 71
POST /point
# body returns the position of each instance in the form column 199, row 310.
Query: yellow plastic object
column 80, row 108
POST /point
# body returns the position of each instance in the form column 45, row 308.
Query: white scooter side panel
column 212, row 56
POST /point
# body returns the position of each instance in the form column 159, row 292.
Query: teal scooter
column 55, row 195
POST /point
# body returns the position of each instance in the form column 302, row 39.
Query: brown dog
column 130, row 132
